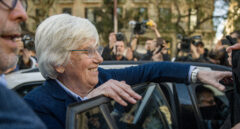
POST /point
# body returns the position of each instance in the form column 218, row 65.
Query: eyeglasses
column 91, row 51
column 11, row 4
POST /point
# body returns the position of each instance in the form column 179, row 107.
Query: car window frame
column 102, row 102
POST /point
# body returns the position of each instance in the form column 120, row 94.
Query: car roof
column 33, row 75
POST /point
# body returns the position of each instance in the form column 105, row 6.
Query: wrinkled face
column 83, row 68
column 9, row 31
column 119, row 45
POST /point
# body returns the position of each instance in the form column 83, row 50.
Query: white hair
column 58, row 34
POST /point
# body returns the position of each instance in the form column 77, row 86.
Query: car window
column 213, row 106
column 25, row 88
column 149, row 113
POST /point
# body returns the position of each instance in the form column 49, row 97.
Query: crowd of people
column 68, row 57
column 120, row 50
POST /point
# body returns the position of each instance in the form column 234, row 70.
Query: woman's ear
column 60, row 69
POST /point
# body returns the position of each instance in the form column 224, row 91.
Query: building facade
column 168, row 14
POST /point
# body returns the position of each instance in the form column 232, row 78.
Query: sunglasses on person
column 11, row 4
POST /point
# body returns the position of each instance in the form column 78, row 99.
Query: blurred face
column 83, row 68
column 206, row 99
column 9, row 30
column 150, row 45
column 119, row 48
column 200, row 50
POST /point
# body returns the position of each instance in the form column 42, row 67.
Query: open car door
column 152, row 112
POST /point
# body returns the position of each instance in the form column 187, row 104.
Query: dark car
column 164, row 105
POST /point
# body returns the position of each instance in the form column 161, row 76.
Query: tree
column 41, row 9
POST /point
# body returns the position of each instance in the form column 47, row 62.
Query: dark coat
column 15, row 113
column 50, row 101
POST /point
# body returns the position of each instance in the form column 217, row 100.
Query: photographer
column 107, row 51
column 185, row 50
column 119, row 48
column 25, row 53
column 156, row 50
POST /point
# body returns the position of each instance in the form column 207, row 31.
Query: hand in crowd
column 153, row 25
column 129, row 54
column 229, row 51
column 213, row 78
column 26, row 56
column 119, row 91
column 195, row 54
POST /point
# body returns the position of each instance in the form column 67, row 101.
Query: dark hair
column 200, row 44
column 201, row 89
column 237, row 32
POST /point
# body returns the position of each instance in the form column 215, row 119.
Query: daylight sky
column 221, row 8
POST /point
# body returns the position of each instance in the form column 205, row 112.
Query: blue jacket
column 50, row 101
column 15, row 113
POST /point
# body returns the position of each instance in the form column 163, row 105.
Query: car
column 176, row 104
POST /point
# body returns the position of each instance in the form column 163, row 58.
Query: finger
column 123, row 94
column 219, row 86
column 225, row 74
column 112, row 94
column 129, row 90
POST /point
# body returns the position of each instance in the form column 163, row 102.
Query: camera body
column 28, row 42
column 229, row 41
column 120, row 36
column 185, row 44
column 140, row 27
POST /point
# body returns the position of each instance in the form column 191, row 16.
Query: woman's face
column 83, row 68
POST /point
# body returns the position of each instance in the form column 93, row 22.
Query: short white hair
column 58, row 34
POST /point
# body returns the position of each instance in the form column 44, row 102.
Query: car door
column 152, row 112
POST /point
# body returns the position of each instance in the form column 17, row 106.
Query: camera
column 140, row 27
column 185, row 44
column 28, row 42
column 229, row 40
column 120, row 36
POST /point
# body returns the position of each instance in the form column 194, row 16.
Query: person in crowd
column 205, row 97
column 107, row 51
column 213, row 110
column 25, row 60
column 156, row 50
column 68, row 58
column 119, row 48
column 14, row 112
column 198, row 52
column 235, row 108
column 236, row 34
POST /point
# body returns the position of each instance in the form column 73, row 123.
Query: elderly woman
column 68, row 57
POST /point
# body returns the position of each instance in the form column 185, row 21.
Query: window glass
column 213, row 105
column 91, row 119
column 152, row 112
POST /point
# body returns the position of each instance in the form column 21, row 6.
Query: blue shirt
column 70, row 93
column 3, row 82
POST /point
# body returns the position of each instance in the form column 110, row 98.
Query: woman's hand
column 119, row 91
column 213, row 78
